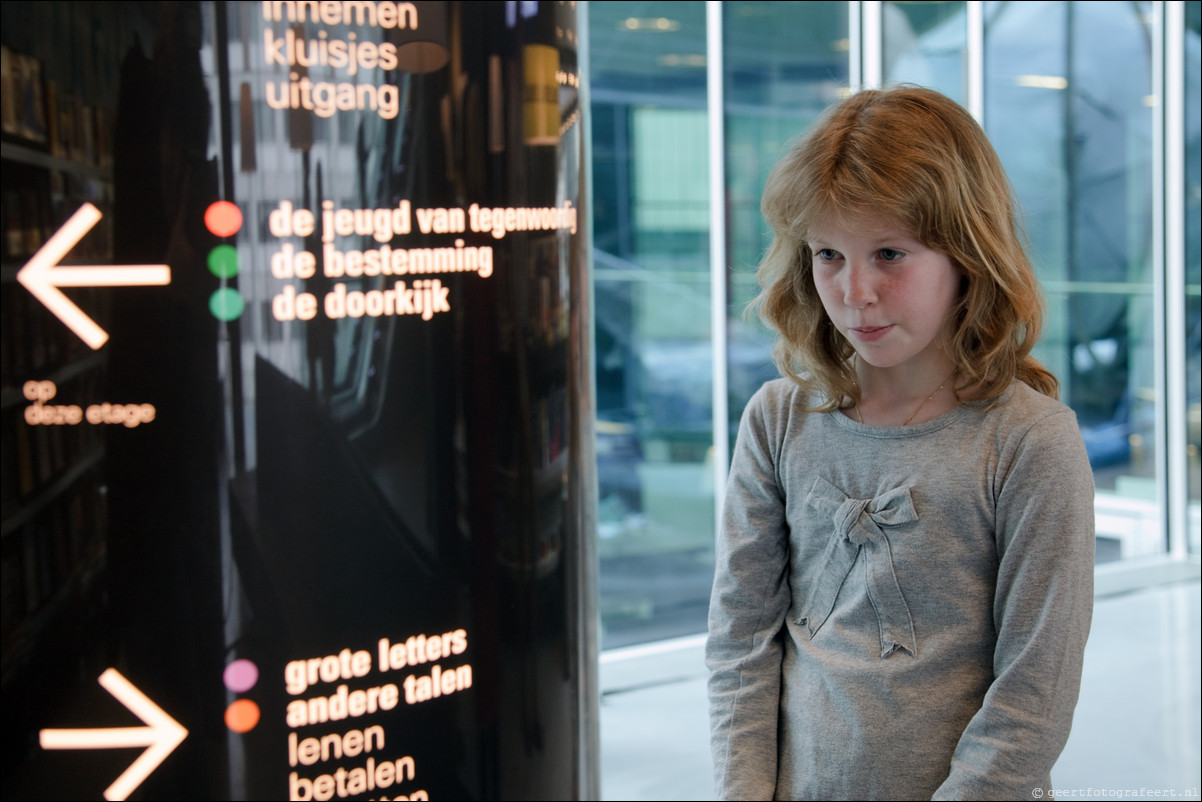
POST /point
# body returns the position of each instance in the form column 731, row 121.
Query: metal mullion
column 716, row 116
column 1171, row 19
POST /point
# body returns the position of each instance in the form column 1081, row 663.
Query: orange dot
column 242, row 715
column 223, row 219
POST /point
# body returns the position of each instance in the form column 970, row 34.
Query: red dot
column 242, row 715
column 223, row 219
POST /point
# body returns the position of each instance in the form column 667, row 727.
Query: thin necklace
column 920, row 406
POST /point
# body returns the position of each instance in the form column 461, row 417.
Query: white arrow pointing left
column 42, row 275
column 161, row 735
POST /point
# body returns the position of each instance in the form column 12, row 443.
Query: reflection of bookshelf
column 53, row 523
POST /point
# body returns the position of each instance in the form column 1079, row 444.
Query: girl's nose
column 858, row 291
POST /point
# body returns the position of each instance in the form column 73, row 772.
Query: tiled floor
column 1136, row 733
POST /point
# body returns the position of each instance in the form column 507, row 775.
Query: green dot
column 226, row 304
column 223, row 261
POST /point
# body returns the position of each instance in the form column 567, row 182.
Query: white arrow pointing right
column 161, row 735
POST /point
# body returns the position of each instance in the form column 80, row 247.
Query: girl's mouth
column 870, row 333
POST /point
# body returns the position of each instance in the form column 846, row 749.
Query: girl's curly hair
column 917, row 160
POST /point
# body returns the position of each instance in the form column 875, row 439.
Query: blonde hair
column 917, row 160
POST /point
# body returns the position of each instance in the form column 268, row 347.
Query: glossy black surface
column 307, row 488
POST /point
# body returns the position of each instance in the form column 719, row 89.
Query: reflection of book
column 15, row 334
column 67, row 138
column 87, row 138
column 32, row 107
column 8, row 94
column 14, row 236
column 51, row 117
column 79, row 126
column 104, row 139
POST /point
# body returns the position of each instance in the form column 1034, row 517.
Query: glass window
column 652, row 295
column 783, row 63
column 926, row 44
column 1068, row 104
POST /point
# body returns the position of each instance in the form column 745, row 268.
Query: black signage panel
column 298, row 489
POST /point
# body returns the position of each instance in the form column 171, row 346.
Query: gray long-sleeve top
column 899, row 612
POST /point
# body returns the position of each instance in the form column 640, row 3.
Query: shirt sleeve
column 1042, row 610
column 747, row 610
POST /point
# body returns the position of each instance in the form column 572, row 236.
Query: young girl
column 905, row 567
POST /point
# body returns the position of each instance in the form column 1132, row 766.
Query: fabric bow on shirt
column 860, row 524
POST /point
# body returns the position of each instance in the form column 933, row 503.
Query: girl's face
column 887, row 293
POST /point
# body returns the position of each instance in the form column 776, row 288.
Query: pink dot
column 223, row 219
column 241, row 676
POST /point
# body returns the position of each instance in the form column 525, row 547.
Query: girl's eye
column 826, row 254
column 890, row 255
